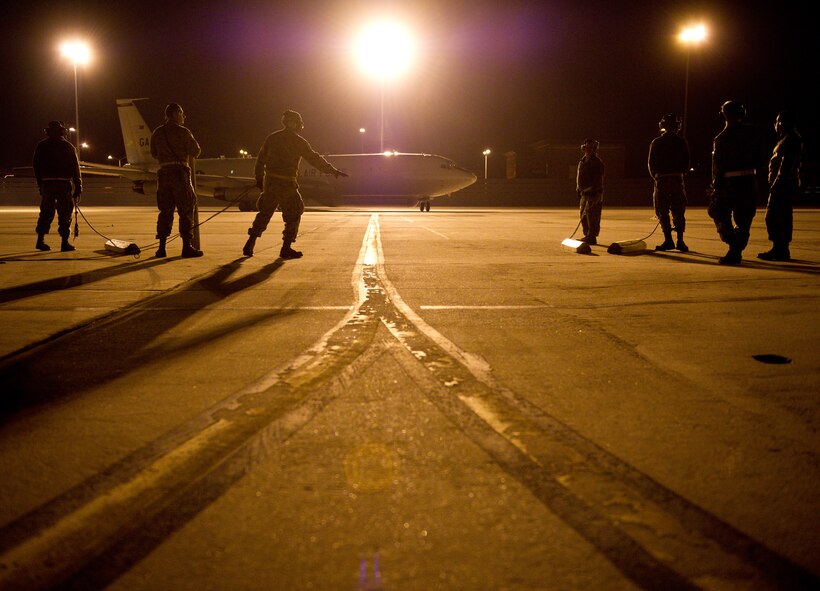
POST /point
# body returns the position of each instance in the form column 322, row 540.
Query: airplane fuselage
column 372, row 178
column 418, row 176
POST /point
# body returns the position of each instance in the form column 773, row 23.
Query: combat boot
column 733, row 257
column 161, row 254
column 189, row 252
column 777, row 253
column 247, row 250
column 288, row 253
column 41, row 245
column 681, row 245
column 668, row 243
column 66, row 246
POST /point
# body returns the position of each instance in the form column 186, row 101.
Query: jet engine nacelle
column 244, row 197
column 147, row 188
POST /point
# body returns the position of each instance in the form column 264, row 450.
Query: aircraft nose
column 469, row 178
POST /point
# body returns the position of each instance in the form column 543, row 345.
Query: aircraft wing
column 128, row 172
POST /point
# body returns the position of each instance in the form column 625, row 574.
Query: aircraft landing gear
column 424, row 205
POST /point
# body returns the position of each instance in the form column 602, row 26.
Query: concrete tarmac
column 441, row 400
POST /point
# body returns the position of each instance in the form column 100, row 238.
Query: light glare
column 77, row 51
column 384, row 50
column 694, row 34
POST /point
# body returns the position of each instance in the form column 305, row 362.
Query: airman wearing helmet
column 668, row 163
column 589, row 183
column 276, row 167
column 174, row 145
column 57, row 171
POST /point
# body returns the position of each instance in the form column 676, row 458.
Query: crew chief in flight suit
column 276, row 167
column 173, row 145
column 668, row 162
column 56, row 169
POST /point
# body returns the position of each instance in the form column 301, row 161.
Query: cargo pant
column 284, row 195
column 779, row 211
column 174, row 191
column 670, row 195
column 733, row 209
column 56, row 197
column 592, row 204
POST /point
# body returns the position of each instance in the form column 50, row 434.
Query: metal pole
column 76, row 112
column 381, row 126
column 485, row 167
column 686, row 94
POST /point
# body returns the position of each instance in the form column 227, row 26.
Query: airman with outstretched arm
column 276, row 167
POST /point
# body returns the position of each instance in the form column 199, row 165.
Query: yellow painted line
column 94, row 515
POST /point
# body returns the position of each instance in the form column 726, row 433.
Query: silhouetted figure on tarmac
column 668, row 163
column 784, row 187
column 736, row 157
column 57, row 171
column 174, row 145
column 276, row 167
column 589, row 182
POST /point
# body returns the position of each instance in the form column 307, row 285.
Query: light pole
column 119, row 160
column 361, row 137
column 689, row 36
column 79, row 53
column 384, row 50
column 486, row 154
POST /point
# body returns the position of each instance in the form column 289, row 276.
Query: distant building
column 560, row 161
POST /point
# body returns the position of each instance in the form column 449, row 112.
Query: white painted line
column 474, row 364
column 436, row 233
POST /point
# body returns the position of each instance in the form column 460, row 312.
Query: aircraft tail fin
column 136, row 135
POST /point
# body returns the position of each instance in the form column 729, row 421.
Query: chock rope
column 136, row 255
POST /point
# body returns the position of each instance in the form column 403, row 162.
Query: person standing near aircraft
column 173, row 146
column 276, row 166
column 668, row 162
column 736, row 157
column 589, row 182
column 57, row 171
column 784, row 187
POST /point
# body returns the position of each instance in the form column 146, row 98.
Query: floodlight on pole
column 486, row 154
column 689, row 36
column 361, row 137
column 385, row 51
column 79, row 53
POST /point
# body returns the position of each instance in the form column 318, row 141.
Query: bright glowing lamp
column 689, row 36
column 693, row 35
column 384, row 50
column 79, row 53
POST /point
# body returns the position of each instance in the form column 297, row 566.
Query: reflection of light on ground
column 370, row 467
column 371, row 255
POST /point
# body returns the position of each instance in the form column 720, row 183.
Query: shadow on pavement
column 77, row 361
